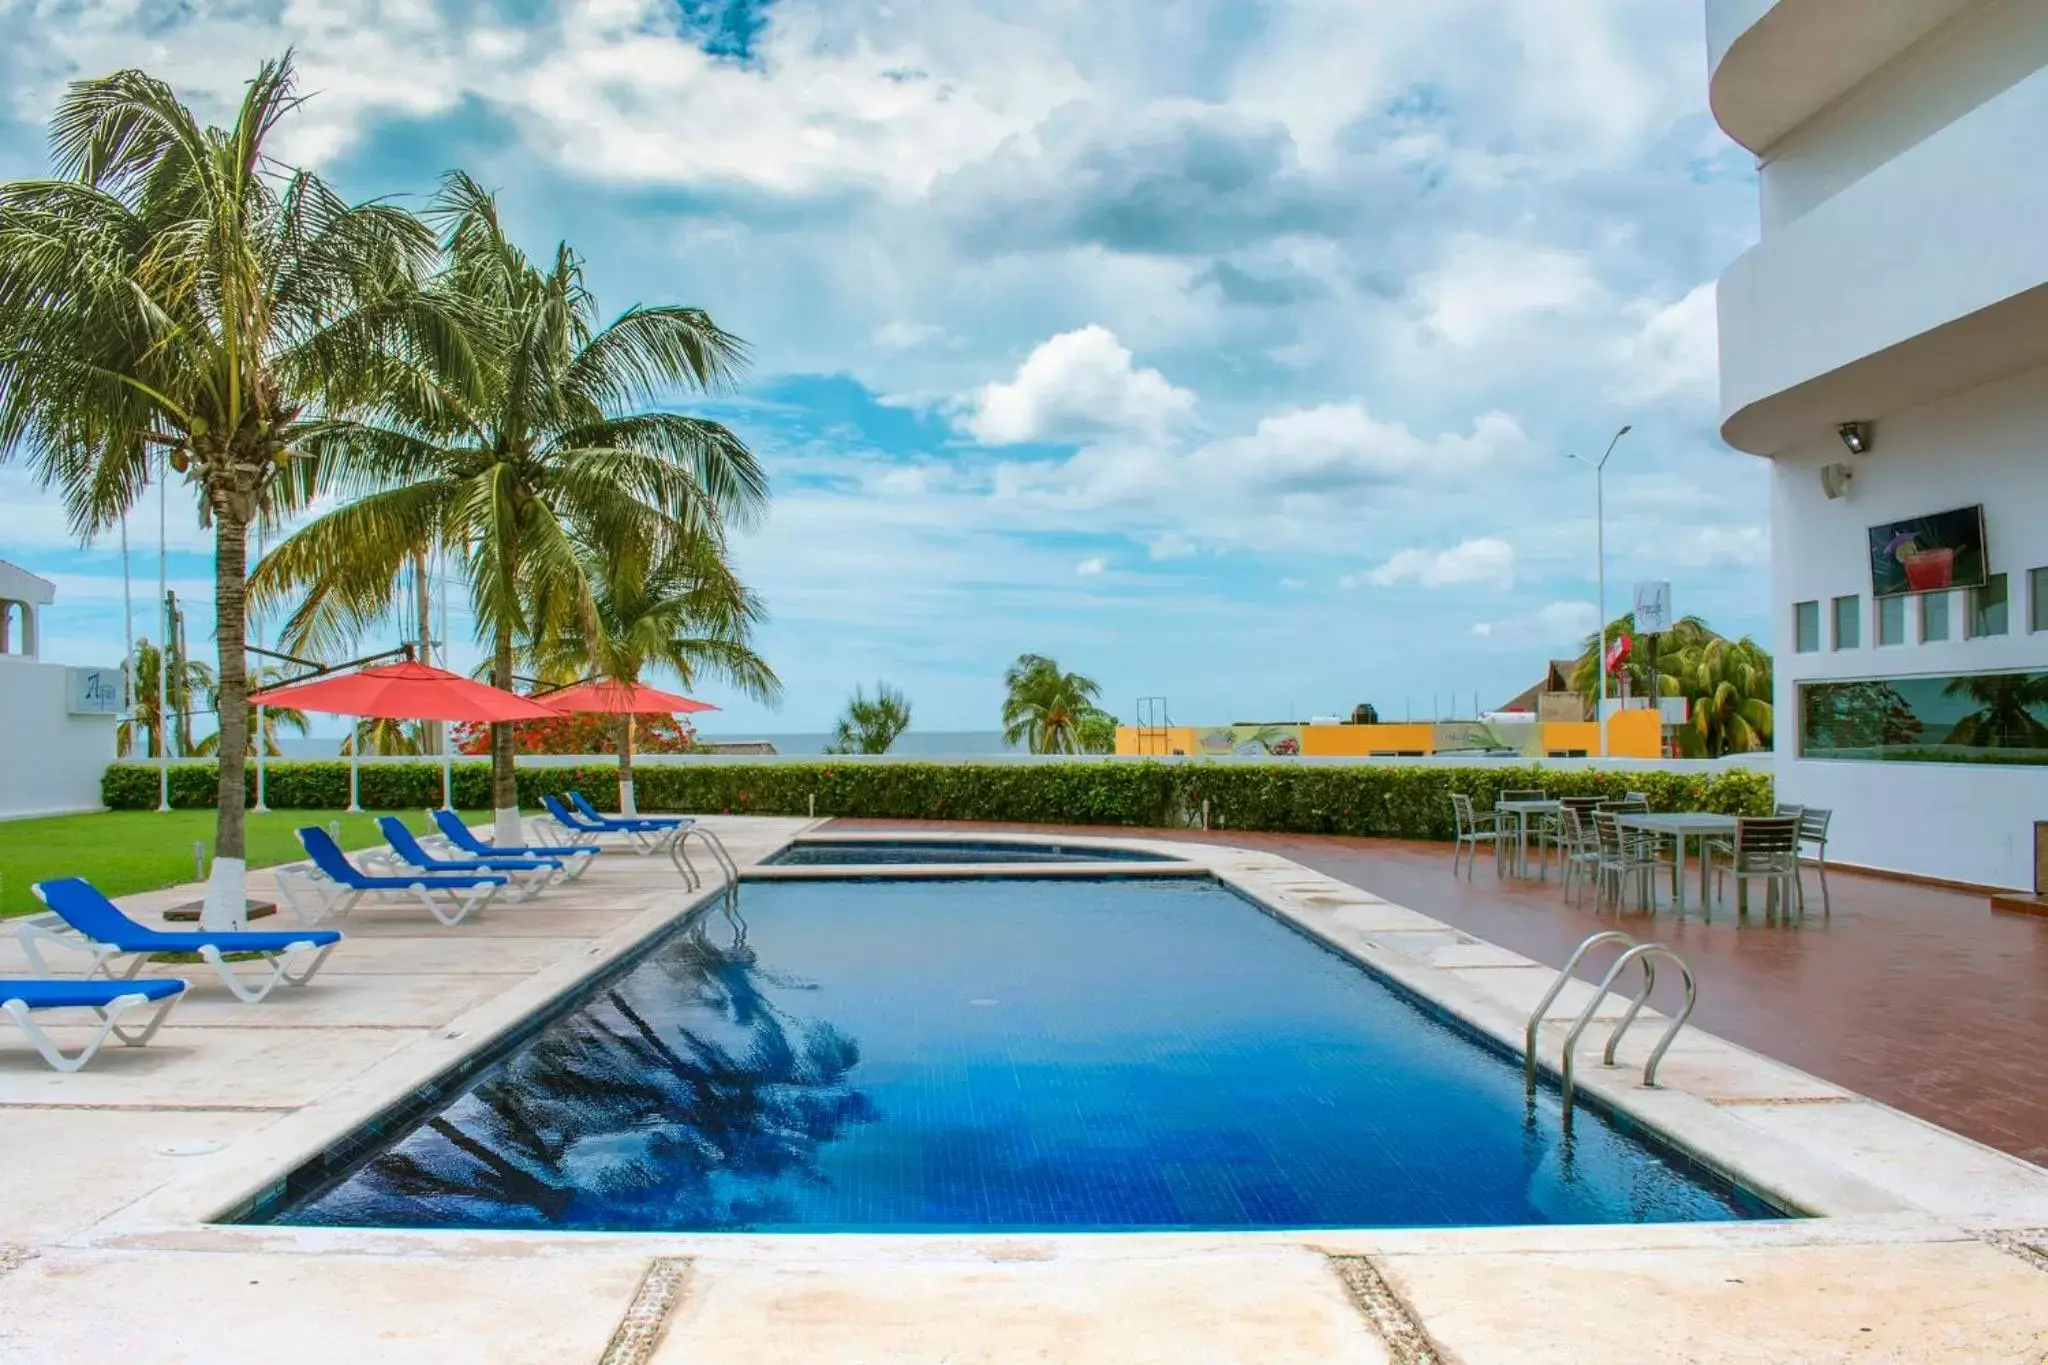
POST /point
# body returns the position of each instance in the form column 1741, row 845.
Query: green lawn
column 130, row 850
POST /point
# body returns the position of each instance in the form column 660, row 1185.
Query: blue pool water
column 1010, row 1054
column 843, row 852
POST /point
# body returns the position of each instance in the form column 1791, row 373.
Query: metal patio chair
column 1475, row 829
column 1764, row 848
column 1620, row 857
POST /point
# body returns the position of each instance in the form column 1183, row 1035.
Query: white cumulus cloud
column 1485, row 560
column 1075, row 385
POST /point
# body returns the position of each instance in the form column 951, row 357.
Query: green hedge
column 1407, row 801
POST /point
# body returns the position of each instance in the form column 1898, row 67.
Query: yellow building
column 1630, row 734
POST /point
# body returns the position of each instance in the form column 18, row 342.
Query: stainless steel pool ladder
column 1635, row 951
column 679, row 855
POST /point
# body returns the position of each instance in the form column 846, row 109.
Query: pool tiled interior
column 108, row 1248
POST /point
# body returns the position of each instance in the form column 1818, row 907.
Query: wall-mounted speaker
column 1836, row 478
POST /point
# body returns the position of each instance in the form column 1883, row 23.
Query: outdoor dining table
column 1678, row 826
column 1522, row 810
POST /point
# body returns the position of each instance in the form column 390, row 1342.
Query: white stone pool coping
column 1799, row 1141
column 1871, row 1175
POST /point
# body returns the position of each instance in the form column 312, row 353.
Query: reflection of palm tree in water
column 2004, row 718
column 606, row 1121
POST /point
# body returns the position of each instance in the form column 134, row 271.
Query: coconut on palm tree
column 686, row 612
column 175, row 301
column 871, row 724
column 1049, row 711
column 515, row 429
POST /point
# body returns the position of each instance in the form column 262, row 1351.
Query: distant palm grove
column 177, row 305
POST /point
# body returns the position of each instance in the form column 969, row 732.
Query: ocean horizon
column 797, row 743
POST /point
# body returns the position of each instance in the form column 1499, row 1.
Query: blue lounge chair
column 590, row 812
column 528, row 875
column 576, row 858
column 99, row 928
column 341, row 883
column 111, row 1001
column 645, row 835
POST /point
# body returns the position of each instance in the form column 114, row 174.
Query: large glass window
column 1891, row 620
column 1973, row 718
column 1806, row 627
column 1933, row 616
column 1848, row 622
column 1988, row 614
column 2037, row 599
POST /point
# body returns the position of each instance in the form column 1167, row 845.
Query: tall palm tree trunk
column 626, row 803
column 226, row 904
column 504, row 778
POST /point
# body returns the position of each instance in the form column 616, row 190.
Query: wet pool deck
column 1929, row 1250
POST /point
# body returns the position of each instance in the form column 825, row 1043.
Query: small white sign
column 1653, row 608
column 94, row 691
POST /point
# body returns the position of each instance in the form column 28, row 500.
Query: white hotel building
column 1901, row 285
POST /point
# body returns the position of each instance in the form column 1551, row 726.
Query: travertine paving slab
column 62, row 1170
column 1942, row 1303
column 448, row 952
column 217, row 1067
column 1273, row 1309
column 67, row 1307
column 417, row 1002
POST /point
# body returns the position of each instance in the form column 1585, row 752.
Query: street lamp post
column 1600, row 572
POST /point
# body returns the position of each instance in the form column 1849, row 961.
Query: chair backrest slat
column 1813, row 824
column 1759, row 838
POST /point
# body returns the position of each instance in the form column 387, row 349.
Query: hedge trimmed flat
column 111, row 1001
column 100, row 928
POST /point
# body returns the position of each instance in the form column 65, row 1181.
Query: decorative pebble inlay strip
column 1390, row 1318
column 640, row 1329
column 2029, row 1244
column 1733, row 1101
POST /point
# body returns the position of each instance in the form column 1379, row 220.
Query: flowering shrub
column 583, row 734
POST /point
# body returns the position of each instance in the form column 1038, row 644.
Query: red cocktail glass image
column 1929, row 570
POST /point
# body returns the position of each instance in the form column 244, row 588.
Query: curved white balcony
column 1777, row 63
column 1926, row 277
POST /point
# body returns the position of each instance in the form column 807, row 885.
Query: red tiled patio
column 1920, row 997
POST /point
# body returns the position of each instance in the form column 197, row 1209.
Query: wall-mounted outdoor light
column 1856, row 436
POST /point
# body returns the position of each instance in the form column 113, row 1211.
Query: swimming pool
column 1020, row 1054
column 855, row 852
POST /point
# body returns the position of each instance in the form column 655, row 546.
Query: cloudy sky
column 1226, row 350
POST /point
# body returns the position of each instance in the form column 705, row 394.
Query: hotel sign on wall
column 93, row 691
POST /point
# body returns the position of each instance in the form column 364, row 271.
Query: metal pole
column 355, row 768
column 163, row 645
column 256, row 625
column 127, row 638
column 1600, row 552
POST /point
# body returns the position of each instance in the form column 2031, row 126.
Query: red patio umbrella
column 404, row 691
column 609, row 697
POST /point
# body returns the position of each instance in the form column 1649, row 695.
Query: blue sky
column 1225, row 351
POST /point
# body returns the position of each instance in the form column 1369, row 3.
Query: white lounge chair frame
column 110, row 1014
column 278, row 968
column 523, row 883
column 312, row 896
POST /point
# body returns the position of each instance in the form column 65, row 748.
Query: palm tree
column 389, row 738
column 1640, row 668
column 509, row 437
column 272, row 718
column 1045, row 708
column 871, row 726
column 1727, row 684
column 187, row 683
column 175, row 299
column 687, row 612
column 2005, row 716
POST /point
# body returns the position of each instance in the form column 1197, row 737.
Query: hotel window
column 1976, row 718
column 1891, row 620
column 1933, row 617
column 2037, row 599
column 1806, row 627
column 1848, row 622
column 1988, row 608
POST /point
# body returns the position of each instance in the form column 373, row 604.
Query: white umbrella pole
column 127, row 639
column 447, row 774
column 355, row 769
column 163, row 646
